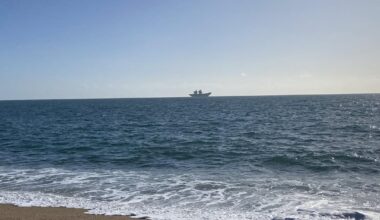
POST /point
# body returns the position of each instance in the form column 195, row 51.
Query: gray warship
column 199, row 93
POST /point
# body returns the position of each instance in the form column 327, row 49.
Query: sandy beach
column 11, row 212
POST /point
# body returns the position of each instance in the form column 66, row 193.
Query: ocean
column 269, row 157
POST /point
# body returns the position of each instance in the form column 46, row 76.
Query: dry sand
column 11, row 212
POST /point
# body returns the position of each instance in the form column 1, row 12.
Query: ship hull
column 203, row 95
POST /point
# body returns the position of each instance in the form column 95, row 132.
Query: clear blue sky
column 154, row 48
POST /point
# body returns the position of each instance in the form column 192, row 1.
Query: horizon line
column 100, row 98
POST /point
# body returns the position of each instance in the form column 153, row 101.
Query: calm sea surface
column 302, row 157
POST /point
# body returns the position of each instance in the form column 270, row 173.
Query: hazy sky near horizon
column 154, row 48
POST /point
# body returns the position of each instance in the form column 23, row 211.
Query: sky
column 162, row 48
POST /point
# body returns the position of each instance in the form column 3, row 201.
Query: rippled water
column 303, row 157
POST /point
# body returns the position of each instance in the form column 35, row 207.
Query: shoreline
column 13, row 212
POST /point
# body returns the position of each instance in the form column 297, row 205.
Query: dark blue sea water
column 302, row 157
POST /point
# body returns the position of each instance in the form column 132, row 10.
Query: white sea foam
column 168, row 196
column 171, row 212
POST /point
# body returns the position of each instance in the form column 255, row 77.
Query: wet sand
column 11, row 212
